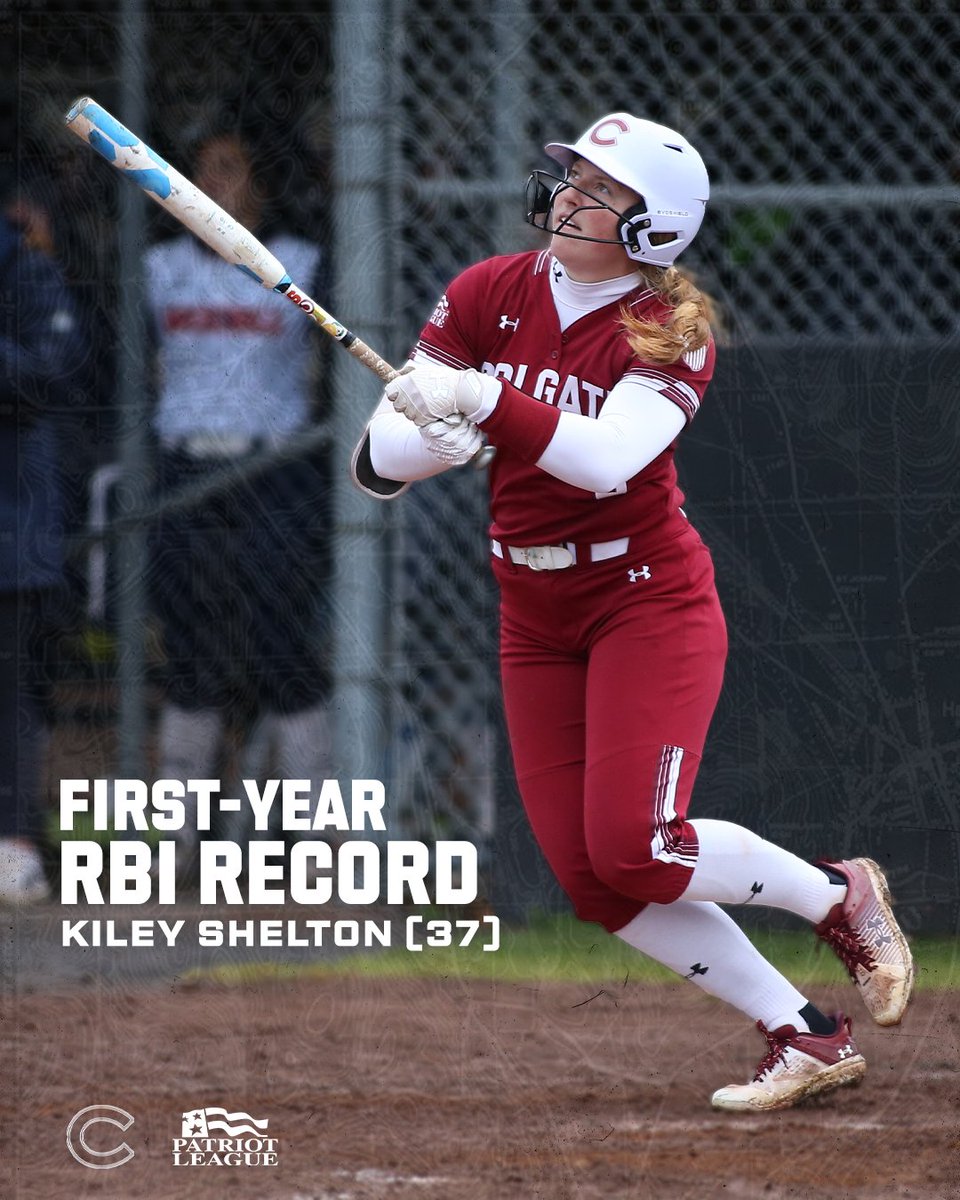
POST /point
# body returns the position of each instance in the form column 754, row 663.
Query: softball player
column 582, row 365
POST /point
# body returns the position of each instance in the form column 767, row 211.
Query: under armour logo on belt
column 505, row 321
column 643, row 573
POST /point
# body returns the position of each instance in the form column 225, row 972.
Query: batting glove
column 452, row 444
column 431, row 392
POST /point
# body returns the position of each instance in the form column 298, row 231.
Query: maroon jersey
column 499, row 316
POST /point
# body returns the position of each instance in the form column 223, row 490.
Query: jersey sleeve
column 452, row 338
column 683, row 382
column 450, row 335
column 522, row 423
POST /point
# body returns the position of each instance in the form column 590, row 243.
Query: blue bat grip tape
column 102, row 145
column 109, row 125
column 152, row 179
column 109, row 134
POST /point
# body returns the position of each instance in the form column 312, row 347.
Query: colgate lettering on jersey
column 573, row 370
column 567, row 392
column 203, row 319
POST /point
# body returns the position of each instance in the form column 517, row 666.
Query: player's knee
column 644, row 870
column 606, row 908
column 624, row 862
column 594, row 902
column 589, row 908
column 622, row 874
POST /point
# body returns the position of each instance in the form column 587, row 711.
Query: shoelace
column 849, row 949
column 776, row 1047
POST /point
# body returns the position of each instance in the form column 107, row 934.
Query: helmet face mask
column 542, row 190
column 657, row 163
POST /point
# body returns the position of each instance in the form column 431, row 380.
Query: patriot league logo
column 200, row 1146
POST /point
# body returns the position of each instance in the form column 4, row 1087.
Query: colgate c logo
column 611, row 140
column 96, row 1114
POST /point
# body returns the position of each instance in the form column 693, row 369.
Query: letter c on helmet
column 612, row 139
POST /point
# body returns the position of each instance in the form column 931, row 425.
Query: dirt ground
column 441, row 1089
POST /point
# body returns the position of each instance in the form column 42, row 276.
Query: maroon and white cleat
column 865, row 936
column 795, row 1067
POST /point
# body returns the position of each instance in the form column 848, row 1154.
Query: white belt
column 555, row 558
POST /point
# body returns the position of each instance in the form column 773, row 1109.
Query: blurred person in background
column 42, row 353
column 40, row 207
column 238, row 579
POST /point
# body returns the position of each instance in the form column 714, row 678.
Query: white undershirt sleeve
column 635, row 424
column 397, row 451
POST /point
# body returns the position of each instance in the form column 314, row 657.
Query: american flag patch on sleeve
column 695, row 359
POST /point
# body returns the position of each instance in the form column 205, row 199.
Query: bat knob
column 76, row 108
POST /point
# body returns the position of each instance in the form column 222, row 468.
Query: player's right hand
column 454, row 444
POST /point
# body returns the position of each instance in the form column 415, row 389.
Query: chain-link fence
column 832, row 137
column 831, row 130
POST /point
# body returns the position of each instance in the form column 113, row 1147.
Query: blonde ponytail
column 687, row 327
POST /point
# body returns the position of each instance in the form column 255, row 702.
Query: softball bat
column 204, row 218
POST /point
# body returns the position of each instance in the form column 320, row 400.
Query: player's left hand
column 453, row 444
column 431, row 392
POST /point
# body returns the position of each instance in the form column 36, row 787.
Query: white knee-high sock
column 700, row 942
column 735, row 866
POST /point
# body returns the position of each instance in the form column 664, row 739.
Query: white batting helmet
column 662, row 166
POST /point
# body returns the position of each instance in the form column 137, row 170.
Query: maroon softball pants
column 611, row 673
